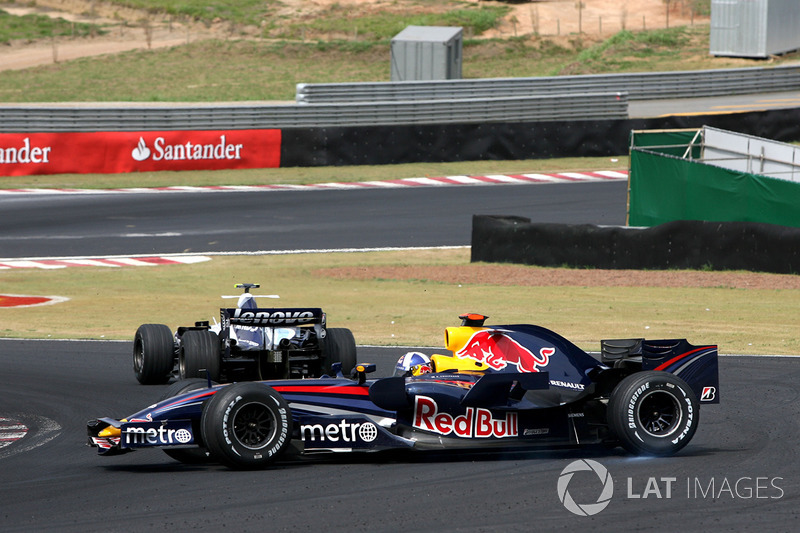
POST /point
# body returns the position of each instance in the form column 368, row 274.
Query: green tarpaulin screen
column 668, row 182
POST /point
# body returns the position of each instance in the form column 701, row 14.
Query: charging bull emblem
column 498, row 350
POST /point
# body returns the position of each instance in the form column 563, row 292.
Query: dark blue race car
column 499, row 387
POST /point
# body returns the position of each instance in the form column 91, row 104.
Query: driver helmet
column 413, row 364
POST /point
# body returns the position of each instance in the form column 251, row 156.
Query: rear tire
column 199, row 353
column 339, row 346
column 189, row 456
column 246, row 425
column 653, row 413
column 153, row 354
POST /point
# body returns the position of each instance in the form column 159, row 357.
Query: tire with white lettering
column 189, row 456
column 246, row 425
column 199, row 354
column 153, row 354
column 339, row 346
column 653, row 413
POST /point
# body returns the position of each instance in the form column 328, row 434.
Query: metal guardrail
column 639, row 86
column 21, row 119
column 406, row 103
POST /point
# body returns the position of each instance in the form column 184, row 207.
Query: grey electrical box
column 427, row 53
column 754, row 28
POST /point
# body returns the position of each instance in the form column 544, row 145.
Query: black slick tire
column 199, row 354
column 153, row 354
column 246, row 425
column 653, row 413
column 339, row 346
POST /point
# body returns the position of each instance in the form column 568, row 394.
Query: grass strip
column 110, row 303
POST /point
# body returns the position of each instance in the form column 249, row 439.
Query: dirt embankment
column 130, row 29
column 124, row 29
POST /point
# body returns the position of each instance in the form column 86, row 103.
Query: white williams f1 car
column 248, row 343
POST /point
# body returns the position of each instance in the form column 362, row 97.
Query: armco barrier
column 639, row 86
column 42, row 119
column 680, row 244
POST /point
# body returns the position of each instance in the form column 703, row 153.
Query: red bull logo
column 474, row 423
column 497, row 350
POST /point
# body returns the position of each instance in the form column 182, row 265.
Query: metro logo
column 344, row 431
column 498, row 350
column 474, row 423
column 151, row 436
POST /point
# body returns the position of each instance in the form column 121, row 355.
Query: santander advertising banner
column 108, row 152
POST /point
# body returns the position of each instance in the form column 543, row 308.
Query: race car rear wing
column 696, row 365
column 272, row 317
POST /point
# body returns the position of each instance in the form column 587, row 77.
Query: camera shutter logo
column 585, row 509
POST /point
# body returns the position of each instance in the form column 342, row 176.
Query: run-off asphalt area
column 744, row 447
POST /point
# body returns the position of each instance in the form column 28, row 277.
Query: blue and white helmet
column 413, row 364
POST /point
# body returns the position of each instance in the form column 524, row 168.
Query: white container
column 427, row 53
column 754, row 28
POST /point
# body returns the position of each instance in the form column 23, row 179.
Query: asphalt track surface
column 740, row 472
column 157, row 223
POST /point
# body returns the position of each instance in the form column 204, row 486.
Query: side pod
column 494, row 388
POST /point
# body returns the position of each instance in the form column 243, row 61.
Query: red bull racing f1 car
column 499, row 387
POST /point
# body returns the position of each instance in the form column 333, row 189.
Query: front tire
column 153, row 354
column 199, row 354
column 246, row 425
column 653, row 413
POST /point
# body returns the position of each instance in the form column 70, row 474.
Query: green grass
column 206, row 71
column 239, row 11
column 679, row 48
column 336, row 19
column 656, row 43
column 34, row 27
column 339, row 21
column 627, row 49
column 111, row 303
